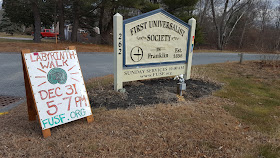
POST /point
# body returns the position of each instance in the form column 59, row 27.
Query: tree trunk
column 218, row 34
column 102, row 8
column 202, row 17
column 37, row 22
column 223, row 28
column 76, row 8
column 109, row 28
column 242, row 35
column 61, row 20
column 101, row 29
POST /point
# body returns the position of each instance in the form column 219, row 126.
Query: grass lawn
column 240, row 120
column 255, row 90
column 3, row 34
column 7, row 45
column 47, row 44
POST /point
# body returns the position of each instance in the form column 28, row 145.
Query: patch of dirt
column 155, row 91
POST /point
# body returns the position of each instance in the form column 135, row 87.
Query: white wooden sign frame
column 125, row 71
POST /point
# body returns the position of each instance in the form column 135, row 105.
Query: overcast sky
column 274, row 2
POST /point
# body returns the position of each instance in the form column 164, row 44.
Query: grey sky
column 274, row 2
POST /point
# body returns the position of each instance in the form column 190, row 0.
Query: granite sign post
column 152, row 45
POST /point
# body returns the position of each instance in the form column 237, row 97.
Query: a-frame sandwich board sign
column 55, row 88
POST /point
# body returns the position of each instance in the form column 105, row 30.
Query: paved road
column 93, row 65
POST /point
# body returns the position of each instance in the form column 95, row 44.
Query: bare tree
column 226, row 14
column 248, row 22
column 203, row 6
column 277, row 26
column 264, row 16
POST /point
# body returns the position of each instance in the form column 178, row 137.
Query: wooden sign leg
column 46, row 133
column 29, row 97
column 90, row 119
column 32, row 111
column 30, row 103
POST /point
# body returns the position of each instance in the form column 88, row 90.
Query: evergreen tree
column 7, row 26
column 108, row 8
column 31, row 12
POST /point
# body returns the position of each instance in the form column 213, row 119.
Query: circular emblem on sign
column 57, row 75
column 136, row 54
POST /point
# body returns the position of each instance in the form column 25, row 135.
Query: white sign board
column 156, row 38
column 58, row 87
column 152, row 45
column 153, row 72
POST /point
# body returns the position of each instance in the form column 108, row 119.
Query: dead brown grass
column 35, row 47
column 186, row 129
column 194, row 129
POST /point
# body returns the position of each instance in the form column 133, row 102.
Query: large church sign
column 152, row 45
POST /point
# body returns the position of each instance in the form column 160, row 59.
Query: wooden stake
column 90, row 119
column 241, row 58
column 46, row 133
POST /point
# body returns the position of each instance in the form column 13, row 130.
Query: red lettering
column 52, row 64
column 69, row 103
column 84, row 99
column 62, row 55
column 38, row 58
column 41, row 95
column 74, row 85
column 64, row 63
column 80, row 100
column 57, row 64
column 31, row 58
column 56, row 55
column 44, row 66
column 57, row 93
column 51, row 92
column 52, row 56
column 44, row 56
column 71, row 90
column 51, row 106
column 77, row 100
column 72, row 54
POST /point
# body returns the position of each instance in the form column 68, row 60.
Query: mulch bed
column 147, row 92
